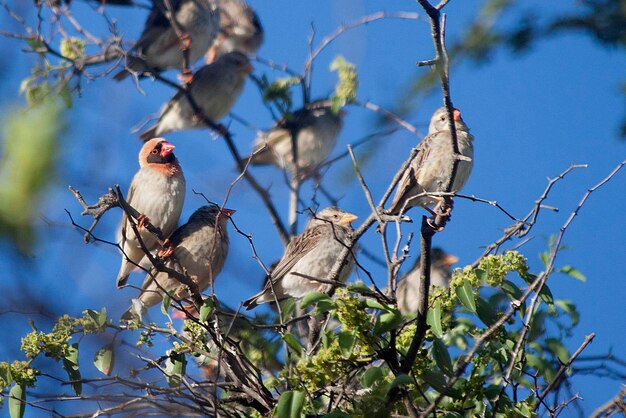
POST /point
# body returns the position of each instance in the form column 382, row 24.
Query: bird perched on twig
column 199, row 248
column 157, row 192
column 429, row 170
column 240, row 30
column 214, row 89
column 159, row 46
column 310, row 255
column 316, row 127
column 440, row 275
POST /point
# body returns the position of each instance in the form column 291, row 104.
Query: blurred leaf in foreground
column 29, row 151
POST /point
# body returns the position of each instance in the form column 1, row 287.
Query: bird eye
column 154, row 151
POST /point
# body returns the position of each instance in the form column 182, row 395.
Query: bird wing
column 124, row 226
column 297, row 248
column 409, row 179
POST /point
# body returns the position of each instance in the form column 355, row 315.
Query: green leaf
column 433, row 319
column 99, row 318
column 104, row 359
column 70, row 364
column 29, row 151
column 292, row 342
column 486, row 313
column 288, row 307
column 373, row 303
column 175, row 367
column 442, row 357
column 346, row 340
column 558, row 349
column 371, row 376
column 359, row 287
column 546, row 295
column 290, row 404
column 17, row 399
column 313, row 297
column 438, row 382
column 572, row 272
column 165, row 303
column 387, row 321
column 206, row 309
column 401, row 380
column 465, row 294
column 325, row 306
column 570, row 309
column 481, row 275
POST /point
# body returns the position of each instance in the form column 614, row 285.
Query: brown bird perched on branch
column 240, row 30
column 429, row 170
column 440, row 275
column 199, row 248
column 316, row 127
column 157, row 192
column 159, row 46
column 309, row 255
column 215, row 89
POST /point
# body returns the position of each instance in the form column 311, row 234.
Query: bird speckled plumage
column 158, row 47
column 240, row 30
column 215, row 89
column 428, row 172
column 440, row 275
column 317, row 128
column 158, row 192
column 312, row 254
column 200, row 248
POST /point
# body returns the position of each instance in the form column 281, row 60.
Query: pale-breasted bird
column 214, row 89
column 429, row 170
column 316, row 127
column 310, row 255
column 440, row 275
column 240, row 30
column 157, row 192
column 199, row 248
column 159, row 46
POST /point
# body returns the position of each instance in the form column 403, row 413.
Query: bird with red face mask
column 199, row 249
column 215, row 89
column 157, row 192
column 429, row 170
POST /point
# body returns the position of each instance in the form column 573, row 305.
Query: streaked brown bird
column 310, row 255
column 240, row 30
column 440, row 275
column 159, row 47
column 316, row 127
column 199, row 247
column 215, row 89
column 157, row 192
column 429, row 170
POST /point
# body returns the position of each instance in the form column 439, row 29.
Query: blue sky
column 532, row 116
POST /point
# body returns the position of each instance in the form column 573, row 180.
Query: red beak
column 166, row 148
column 456, row 114
column 227, row 212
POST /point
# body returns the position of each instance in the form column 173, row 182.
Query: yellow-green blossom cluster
column 18, row 371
